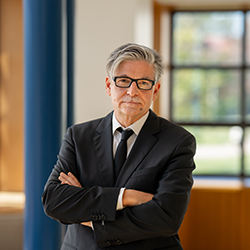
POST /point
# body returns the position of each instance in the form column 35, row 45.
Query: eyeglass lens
column 124, row 82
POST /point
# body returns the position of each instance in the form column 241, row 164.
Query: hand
column 69, row 179
column 133, row 197
column 88, row 224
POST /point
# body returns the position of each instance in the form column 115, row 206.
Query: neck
column 127, row 120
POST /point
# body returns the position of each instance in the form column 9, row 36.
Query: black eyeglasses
column 125, row 82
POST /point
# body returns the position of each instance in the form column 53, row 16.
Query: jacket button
column 103, row 217
column 94, row 217
column 118, row 242
column 108, row 243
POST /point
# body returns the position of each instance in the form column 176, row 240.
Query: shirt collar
column 136, row 126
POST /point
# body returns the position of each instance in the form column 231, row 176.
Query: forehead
column 136, row 69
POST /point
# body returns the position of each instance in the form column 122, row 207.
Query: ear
column 157, row 87
column 108, row 85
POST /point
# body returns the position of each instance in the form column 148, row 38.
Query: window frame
column 242, row 68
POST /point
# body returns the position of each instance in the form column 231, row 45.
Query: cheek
column 115, row 100
column 117, row 95
column 148, row 99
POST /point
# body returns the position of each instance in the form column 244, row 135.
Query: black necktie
column 121, row 152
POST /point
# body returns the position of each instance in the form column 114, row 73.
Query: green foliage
column 204, row 90
column 206, row 95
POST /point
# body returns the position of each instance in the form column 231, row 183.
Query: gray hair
column 135, row 52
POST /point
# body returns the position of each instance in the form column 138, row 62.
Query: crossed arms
column 130, row 197
column 166, row 173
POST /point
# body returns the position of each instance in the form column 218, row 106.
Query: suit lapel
column 103, row 143
column 144, row 143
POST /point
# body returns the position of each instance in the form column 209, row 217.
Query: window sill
column 226, row 183
column 12, row 202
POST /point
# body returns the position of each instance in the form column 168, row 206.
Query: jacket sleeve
column 69, row 204
column 163, row 215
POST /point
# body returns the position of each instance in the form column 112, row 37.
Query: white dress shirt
column 136, row 127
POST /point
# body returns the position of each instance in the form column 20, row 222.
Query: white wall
column 102, row 26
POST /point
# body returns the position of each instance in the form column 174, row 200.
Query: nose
column 132, row 90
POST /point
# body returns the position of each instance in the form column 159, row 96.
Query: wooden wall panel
column 245, row 219
column 217, row 219
column 11, row 96
column 157, row 26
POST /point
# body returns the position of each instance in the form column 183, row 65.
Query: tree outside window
column 210, row 87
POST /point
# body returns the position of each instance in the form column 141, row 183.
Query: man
column 142, row 204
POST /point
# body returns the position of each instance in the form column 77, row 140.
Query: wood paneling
column 157, row 26
column 217, row 219
column 11, row 96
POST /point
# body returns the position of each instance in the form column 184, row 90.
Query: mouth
column 131, row 106
column 131, row 102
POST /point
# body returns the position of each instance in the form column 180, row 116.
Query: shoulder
column 168, row 128
column 169, row 125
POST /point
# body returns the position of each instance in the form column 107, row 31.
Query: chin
column 131, row 110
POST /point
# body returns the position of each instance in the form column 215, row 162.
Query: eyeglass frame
column 133, row 80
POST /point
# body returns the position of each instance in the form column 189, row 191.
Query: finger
column 67, row 177
column 63, row 176
column 64, row 180
column 71, row 176
column 74, row 180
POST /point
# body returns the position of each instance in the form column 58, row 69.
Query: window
column 210, row 87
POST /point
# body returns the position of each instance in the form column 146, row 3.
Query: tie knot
column 125, row 133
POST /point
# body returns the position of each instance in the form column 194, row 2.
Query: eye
column 123, row 81
column 144, row 82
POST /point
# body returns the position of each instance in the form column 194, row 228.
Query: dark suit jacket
column 160, row 162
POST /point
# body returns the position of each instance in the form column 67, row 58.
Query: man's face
column 130, row 104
